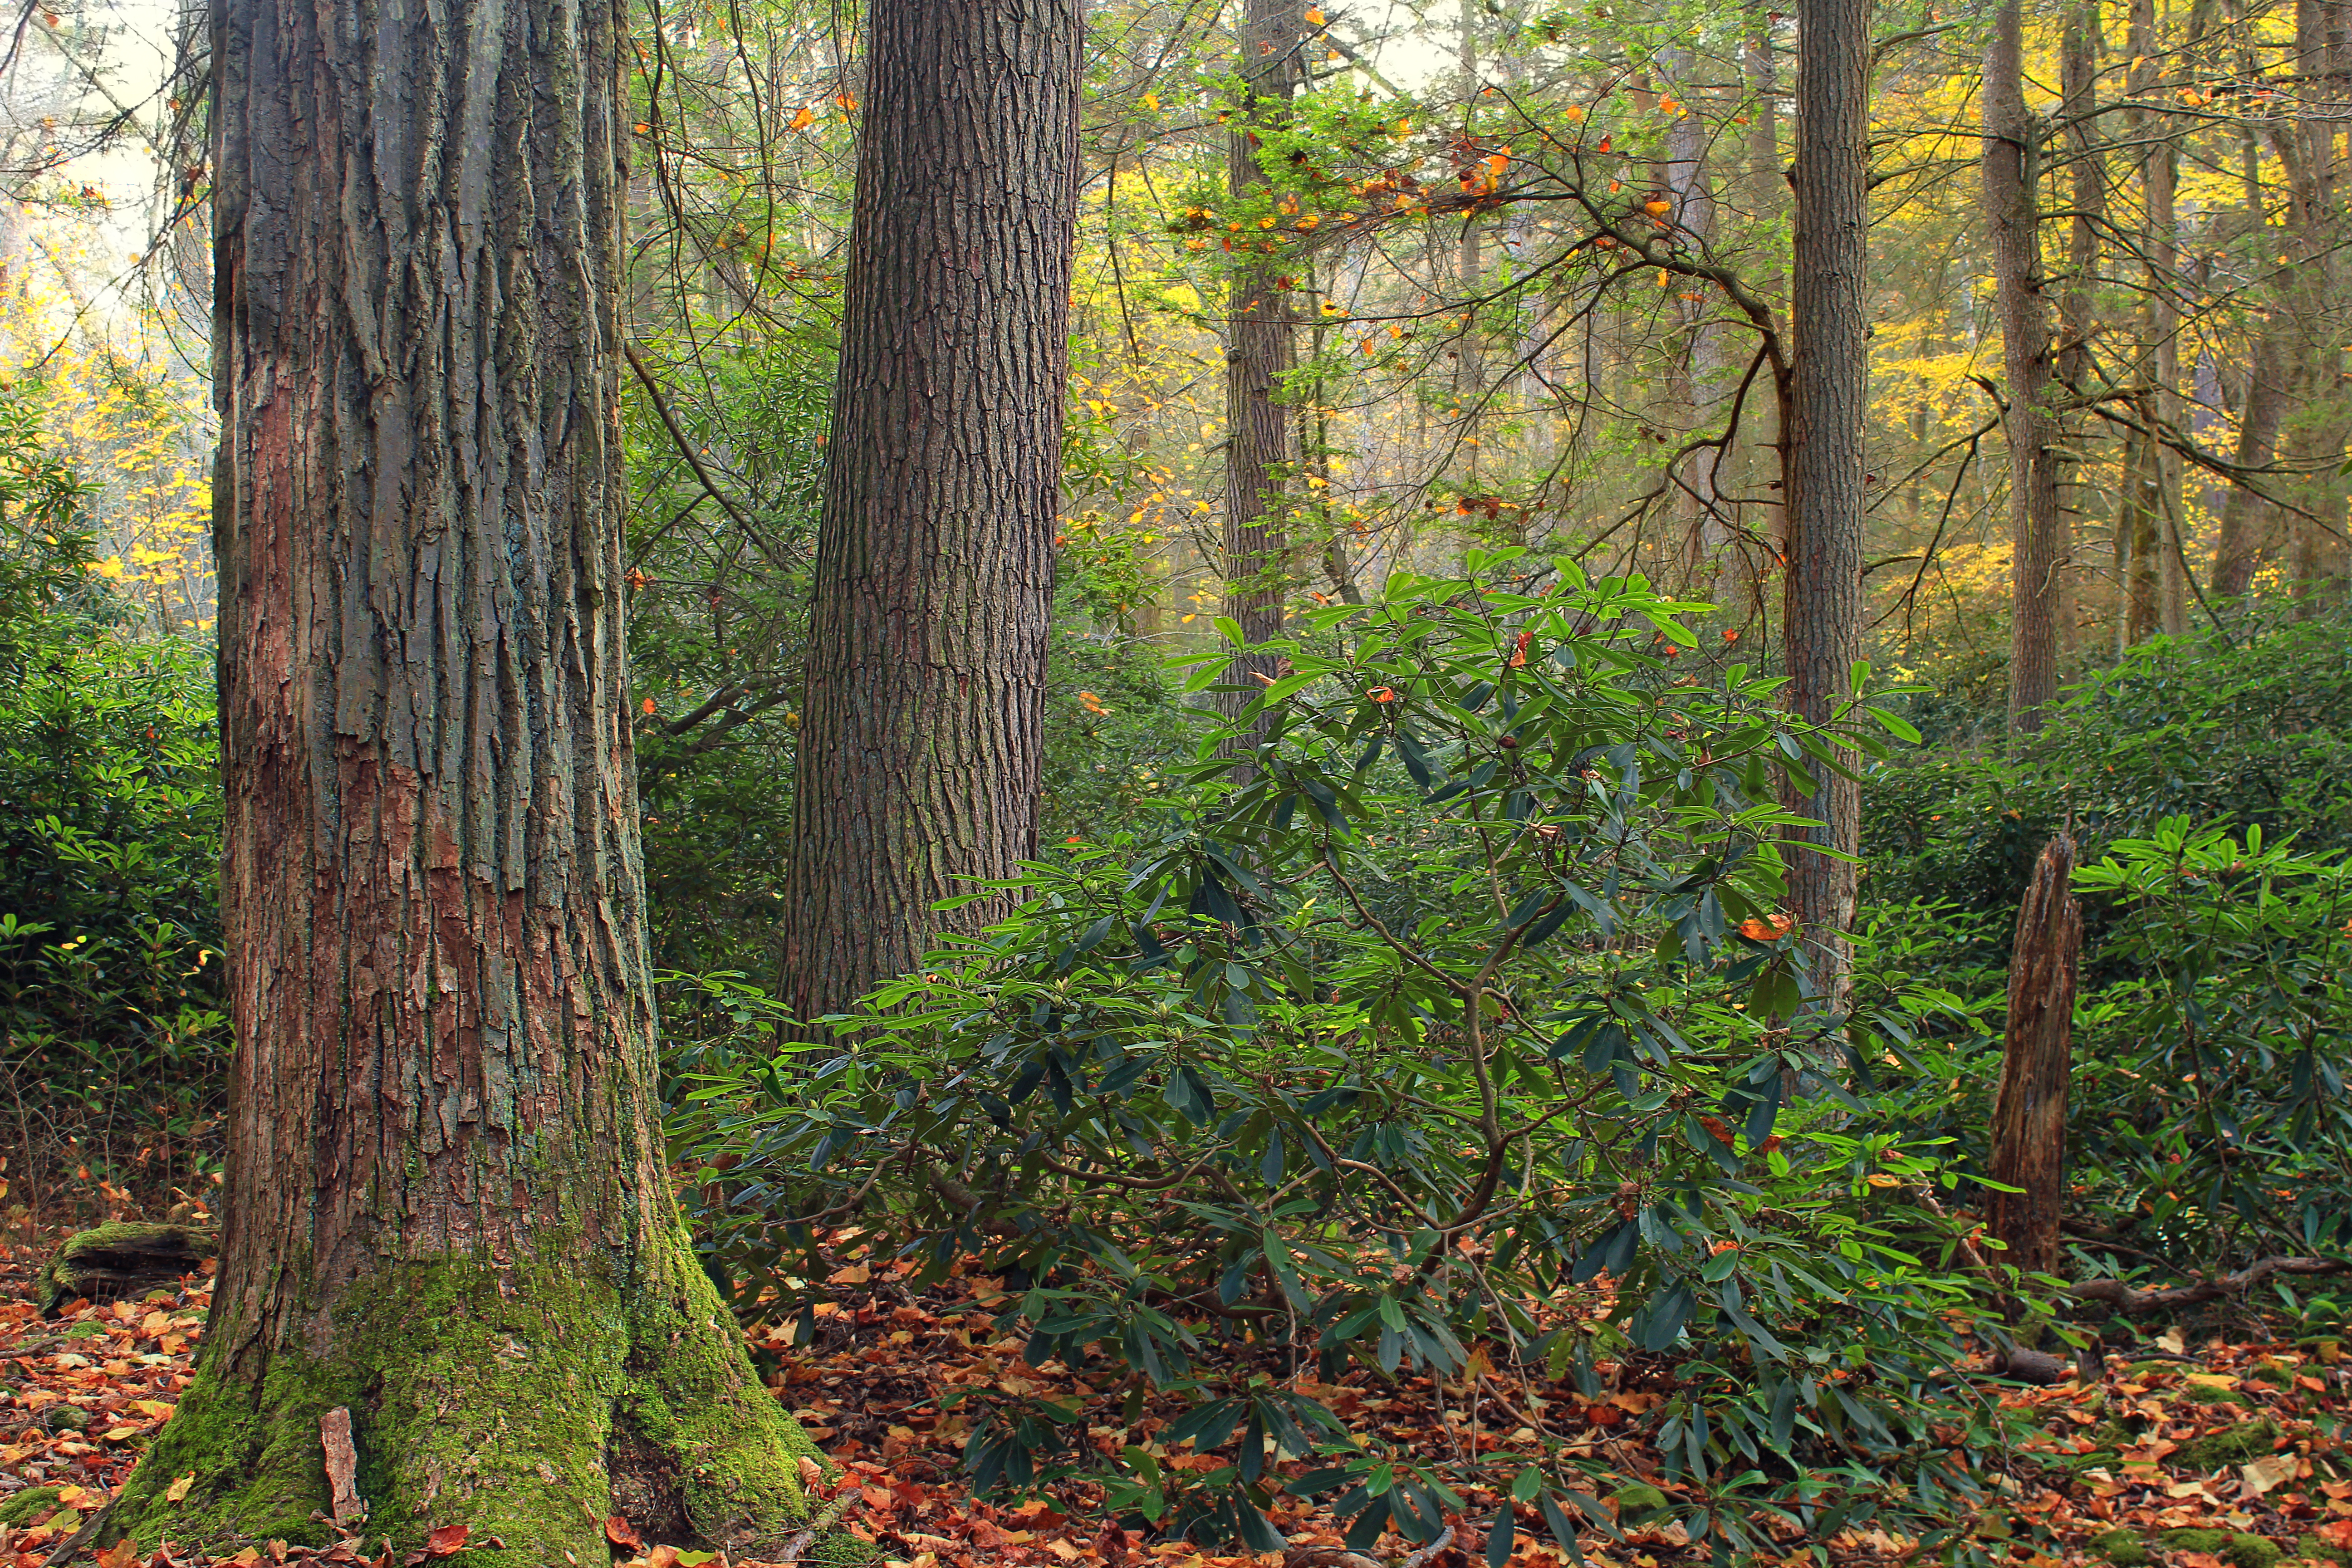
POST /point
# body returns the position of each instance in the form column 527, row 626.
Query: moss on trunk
column 528, row 1402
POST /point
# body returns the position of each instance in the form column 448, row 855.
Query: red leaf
column 620, row 1532
column 447, row 1541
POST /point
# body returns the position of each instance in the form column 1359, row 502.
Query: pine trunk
column 2011, row 186
column 921, row 734
column 1823, row 454
column 2029, row 1113
column 446, row 1210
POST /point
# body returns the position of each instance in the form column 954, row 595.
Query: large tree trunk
column 446, row 1210
column 1824, row 453
column 920, row 738
column 2011, row 186
column 1258, row 354
column 2029, row 1112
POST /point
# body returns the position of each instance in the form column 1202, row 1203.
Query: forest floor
column 2225, row 1454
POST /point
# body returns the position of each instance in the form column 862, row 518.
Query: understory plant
column 1445, row 1026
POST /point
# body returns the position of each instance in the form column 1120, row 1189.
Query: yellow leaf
column 178, row 1490
column 1314, row 15
column 805, row 119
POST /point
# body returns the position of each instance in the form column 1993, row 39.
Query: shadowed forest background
column 1486, row 923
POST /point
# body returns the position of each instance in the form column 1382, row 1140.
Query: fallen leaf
column 620, row 1532
column 447, row 1541
column 178, row 1490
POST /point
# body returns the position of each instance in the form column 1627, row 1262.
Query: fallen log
column 120, row 1261
column 2126, row 1298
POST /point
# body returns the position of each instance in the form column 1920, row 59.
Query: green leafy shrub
column 1222, row 1121
column 111, row 1038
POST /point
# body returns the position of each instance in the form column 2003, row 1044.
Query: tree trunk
column 2011, row 184
column 447, row 1209
column 1823, row 455
column 2029, row 1112
column 1760, row 466
column 1699, row 355
column 2238, row 549
column 2078, row 49
column 1258, row 354
column 2161, row 315
column 921, row 735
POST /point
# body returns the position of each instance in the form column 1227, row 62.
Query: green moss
column 2239, row 1445
column 115, row 1252
column 2124, row 1548
column 1638, row 1502
column 503, row 1399
column 2129, row 1549
column 2238, row 1547
column 839, row 1549
column 30, row 1506
column 85, row 1330
column 2312, row 1549
column 2201, row 1394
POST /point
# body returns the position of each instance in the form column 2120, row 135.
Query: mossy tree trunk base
column 528, row 1402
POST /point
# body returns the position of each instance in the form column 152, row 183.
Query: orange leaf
column 123, row 1554
column 447, row 1541
column 648, row 705
column 620, row 1532
column 805, row 119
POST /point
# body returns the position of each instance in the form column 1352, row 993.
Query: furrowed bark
column 446, row 1208
column 922, row 731
column 1259, row 352
column 1823, row 455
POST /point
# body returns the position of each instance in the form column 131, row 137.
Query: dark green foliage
column 109, row 822
column 1212, row 1111
column 2207, row 782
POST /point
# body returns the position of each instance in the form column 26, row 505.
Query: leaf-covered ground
column 2223, row 1452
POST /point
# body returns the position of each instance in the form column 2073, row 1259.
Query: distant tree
column 448, row 1211
column 2013, row 161
column 921, row 731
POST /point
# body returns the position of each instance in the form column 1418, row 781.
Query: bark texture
column 922, row 727
column 447, row 1207
column 1259, row 352
column 1823, row 455
column 2013, row 207
column 2029, row 1112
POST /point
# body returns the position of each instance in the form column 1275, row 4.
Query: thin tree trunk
column 448, row 1211
column 2012, row 181
column 2238, row 551
column 1259, row 354
column 1698, row 496
column 1761, row 465
column 921, row 734
column 2079, row 46
column 2029, row 1115
column 2161, row 247
column 1823, row 455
